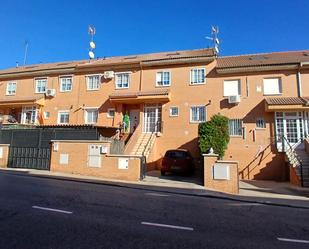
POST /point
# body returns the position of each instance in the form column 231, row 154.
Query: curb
column 178, row 191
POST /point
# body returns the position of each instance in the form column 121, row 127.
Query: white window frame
column 240, row 121
column 129, row 80
column 198, row 121
column 36, row 81
column 225, row 94
column 7, row 88
column 108, row 111
column 87, row 82
column 171, row 112
column 191, row 76
column 86, row 110
column 46, row 114
column 65, row 77
column 279, row 86
column 263, row 122
column 33, row 114
column 63, row 112
column 162, row 73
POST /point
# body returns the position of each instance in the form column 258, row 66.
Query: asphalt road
column 49, row 213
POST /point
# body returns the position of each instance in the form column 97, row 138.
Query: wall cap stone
column 227, row 161
column 121, row 155
column 210, row 155
column 80, row 141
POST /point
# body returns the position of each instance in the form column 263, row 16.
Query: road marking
column 245, row 204
column 52, row 209
column 156, row 194
column 294, row 240
column 168, row 226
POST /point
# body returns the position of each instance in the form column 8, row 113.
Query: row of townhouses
column 169, row 94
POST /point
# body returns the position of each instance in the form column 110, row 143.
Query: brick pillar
column 217, row 181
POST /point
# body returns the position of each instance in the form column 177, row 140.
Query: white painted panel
column 1, row 152
column 64, row 159
column 123, row 163
column 221, row 171
column 94, row 161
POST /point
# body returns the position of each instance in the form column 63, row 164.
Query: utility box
column 123, row 163
column 94, row 155
column 221, row 171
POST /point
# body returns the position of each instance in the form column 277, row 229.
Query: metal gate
column 29, row 157
column 30, row 148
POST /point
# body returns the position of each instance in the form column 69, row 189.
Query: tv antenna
column 26, row 51
column 91, row 32
column 214, row 38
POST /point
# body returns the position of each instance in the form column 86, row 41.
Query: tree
column 214, row 134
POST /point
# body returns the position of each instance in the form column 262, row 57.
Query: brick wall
column 78, row 161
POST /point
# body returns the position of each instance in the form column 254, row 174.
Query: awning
column 126, row 97
column 286, row 103
column 18, row 102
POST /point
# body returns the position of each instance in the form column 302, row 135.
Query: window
column 111, row 113
column 235, row 127
column 198, row 114
column 91, row 116
column 231, row 88
column 197, row 76
column 122, row 80
column 93, row 82
column 66, row 83
column 40, row 85
column 260, row 123
column 29, row 115
column 174, row 111
column 272, row 86
column 163, row 79
column 46, row 115
column 11, row 88
column 63, row 117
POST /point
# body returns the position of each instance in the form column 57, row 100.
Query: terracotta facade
column 255, row 149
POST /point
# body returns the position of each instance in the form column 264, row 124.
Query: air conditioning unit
column 50, row 92
column 234, row 99
column 108, row 74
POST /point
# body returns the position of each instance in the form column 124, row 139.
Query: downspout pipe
column 299, row 85
column 299, row 81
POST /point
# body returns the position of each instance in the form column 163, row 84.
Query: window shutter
column 231, row 88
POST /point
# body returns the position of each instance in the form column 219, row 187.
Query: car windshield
column 176, row 154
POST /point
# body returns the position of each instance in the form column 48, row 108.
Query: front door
column 289, row 125
column 134, row 119
column 152, row 118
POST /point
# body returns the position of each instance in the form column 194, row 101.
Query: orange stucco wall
column 255, row 152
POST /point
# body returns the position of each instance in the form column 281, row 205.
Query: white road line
column 167, row 226
column 245, row 204
column 155, row 194
column 52, row 209
column 294, row 240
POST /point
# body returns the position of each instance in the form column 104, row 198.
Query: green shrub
column 214, row 134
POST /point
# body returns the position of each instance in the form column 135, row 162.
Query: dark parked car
column 177, row 161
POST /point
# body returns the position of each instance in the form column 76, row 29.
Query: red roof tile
column 265, row 59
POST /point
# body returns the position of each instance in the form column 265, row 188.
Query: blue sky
column 57, row 30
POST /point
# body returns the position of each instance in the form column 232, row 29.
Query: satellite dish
column 91, row 55
column 92, row 45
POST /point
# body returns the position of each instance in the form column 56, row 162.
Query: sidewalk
column 259, row 192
